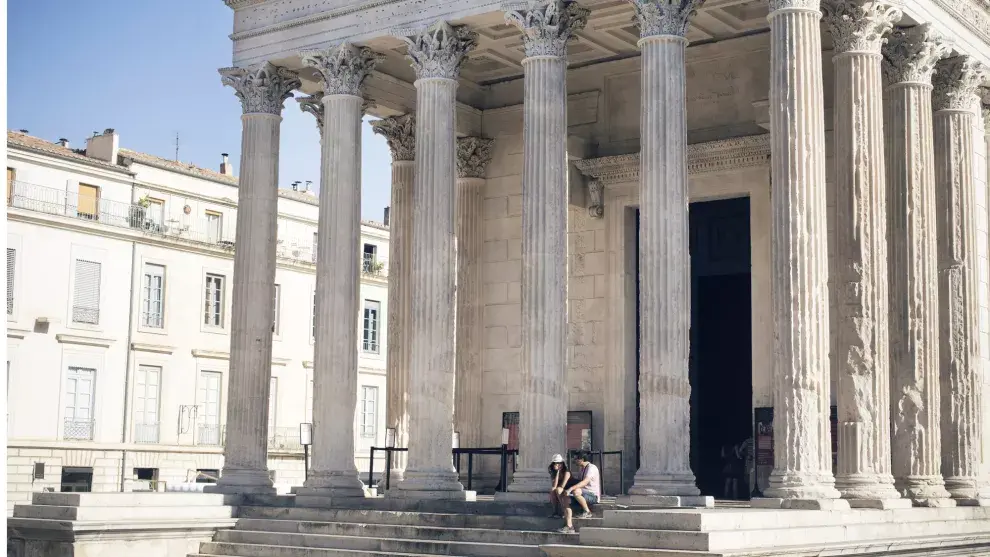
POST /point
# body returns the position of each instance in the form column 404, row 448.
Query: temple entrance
column 721, row 344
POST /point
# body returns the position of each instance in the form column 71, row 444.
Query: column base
column 654, row 484
column 962, row 487
column 528, row 482
column 867, row 487
column 801, row 486
column 925, row 491
column 665, row 501
column 395, row 477
column 800, row 504
column 430, row 485
column 236, row 481
column 882, row 504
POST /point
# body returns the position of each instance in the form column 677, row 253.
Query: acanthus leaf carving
column 910, row 55
column 262, row 89
column 665, row 17
column 596, row 205
column 859, row 26
column 957, row 82
column 548, row 25
column 343, row 68
column 313, row 104
column 473, row 156
column 400, row 134
column 439, row 51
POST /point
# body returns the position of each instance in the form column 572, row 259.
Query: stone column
column 802, row 473
column 399, row 132
column 262, row 90
column 861, row 350
column 473, row 156
column 956, row 104
column 547, row 26
column 909, row 61
column 436, row 56
column 665, row 476
column 342, row 70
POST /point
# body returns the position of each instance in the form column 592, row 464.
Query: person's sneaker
column 585, row 515
column 566, row 530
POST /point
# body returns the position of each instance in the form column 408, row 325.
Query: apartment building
column 119, row 271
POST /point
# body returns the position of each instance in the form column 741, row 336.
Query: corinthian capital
column 957, row 82
column 439, row 51
column 262, row 89
column 342, row 68
column 910, row 55
column 473, row 156
column 313, row 104
column 859, row 26
column 985, row 107
column 548, row 25
column 665, row 17
column 400, row 134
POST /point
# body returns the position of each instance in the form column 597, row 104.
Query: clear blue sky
column 149, row 70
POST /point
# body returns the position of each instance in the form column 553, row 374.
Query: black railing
column 502, row 452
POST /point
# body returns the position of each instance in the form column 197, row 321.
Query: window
column 214, row 226
column 275, row 318
column 86, row 293
column 207, row 475
column 208, row 401
column 371, row 312
column 213, row 316
column 369, row 411
column 272, row 404
column 87, row 206
column 11, row 177
column 153, row 297
column 79, row 403
column 11, row 268
column 76, row 479
column 369, row 262
column 146, row 391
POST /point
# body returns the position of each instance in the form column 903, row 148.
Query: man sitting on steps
column 585, row 491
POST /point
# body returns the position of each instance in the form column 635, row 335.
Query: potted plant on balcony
column 139, row 211
column 376, row 267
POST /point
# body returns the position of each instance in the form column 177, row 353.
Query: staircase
column 482, row 529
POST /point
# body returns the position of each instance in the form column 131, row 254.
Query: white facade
column 118, row 321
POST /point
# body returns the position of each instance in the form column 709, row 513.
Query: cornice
column 703, row 158
column 84, row 340
column 220, row 355
column 154, row 348
column 974, row 14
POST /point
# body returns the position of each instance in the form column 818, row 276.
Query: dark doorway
column 721, row 343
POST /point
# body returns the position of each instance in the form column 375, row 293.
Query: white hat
column 556, row 458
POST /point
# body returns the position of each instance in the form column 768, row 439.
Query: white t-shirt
column 590, row 472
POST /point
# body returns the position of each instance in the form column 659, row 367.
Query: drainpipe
column 127, row 363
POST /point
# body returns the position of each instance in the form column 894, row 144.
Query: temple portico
column 561, row 232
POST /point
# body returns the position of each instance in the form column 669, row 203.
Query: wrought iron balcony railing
column 210, row 435
column 284, row 439
column 146, row 433
column 78, row 429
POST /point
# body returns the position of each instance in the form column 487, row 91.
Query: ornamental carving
column 439, row 51
column 548, row 25
column 596, row 201
column 313, row 104
column 910, row 55
column 343, row 69
column 811, row 5
column 858, row 26
column 473, row 156
column 400, row 134
column 665, row 17
column 985, row 108
column 262, row 89
column 957, row 82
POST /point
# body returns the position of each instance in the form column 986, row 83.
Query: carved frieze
column 400, row 134
column 262, row 89
column 343, row 69
column 910, row 55
column 665, row 17
column 957, row 81
column 439, row 51
column 473, row 156
column 859, row 26
column 548, row 25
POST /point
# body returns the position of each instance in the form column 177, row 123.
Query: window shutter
column 11, row 262
column 86, row 294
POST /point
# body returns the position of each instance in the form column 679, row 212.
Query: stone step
column 597, row 551
column 490, row 507
column 274, row 551
column 475, row 535
column 128, row 499
column 398, row 518
column 87, row 513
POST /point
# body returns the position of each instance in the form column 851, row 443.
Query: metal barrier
column 503, row 452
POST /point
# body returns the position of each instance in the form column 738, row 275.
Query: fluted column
column 861, row 358
column 802, row 446
column 664, row 476
column 547, row 26
column 473, row 156
column 956, row 104
column 436, row 56
column 342, row 71
column 909, row 61
column 262, row 90
column 399, row 132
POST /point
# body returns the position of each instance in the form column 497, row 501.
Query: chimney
column 386, row 214
column 225, row 168
column 63, row 142
column 104, row 146
column 25, row 132
column 306, row 188
column 295, row 185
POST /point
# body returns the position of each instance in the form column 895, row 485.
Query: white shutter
column 86, row 293
column 11, row 263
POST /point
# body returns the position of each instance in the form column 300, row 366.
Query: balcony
column 81, row 430
column 146, row 433
column 284, row 439
column 372, row 266
column 210, row 435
